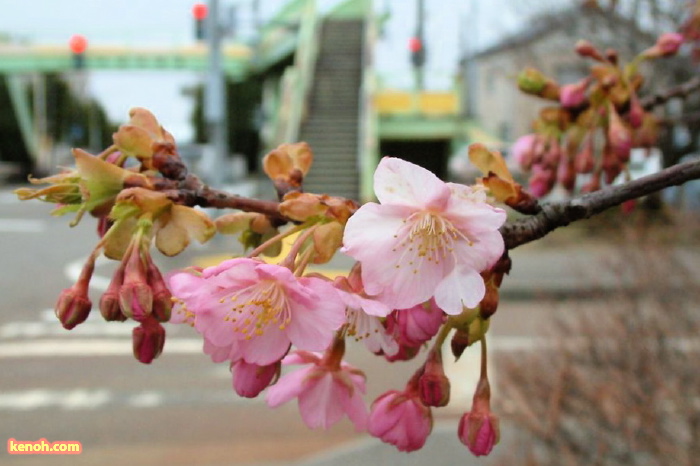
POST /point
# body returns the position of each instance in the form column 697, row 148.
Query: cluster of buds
column 138, row 291
column 597, row 122
column 131, row 214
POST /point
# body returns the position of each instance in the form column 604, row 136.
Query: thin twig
column 559, row 214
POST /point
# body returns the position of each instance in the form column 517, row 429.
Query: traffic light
column 78, row 44
column 199, row 11
column 415, row 46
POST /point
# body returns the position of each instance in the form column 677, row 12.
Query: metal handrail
column 368, row 134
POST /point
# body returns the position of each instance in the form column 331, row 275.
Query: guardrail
column 297, row 80
column 368, row 143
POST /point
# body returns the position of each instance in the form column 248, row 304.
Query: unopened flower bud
column 489, row 303
column 666, row 45
column 110, row 308
column 532, row 81
column 433, row 384
column 584, row 162
column 327, row 240
column 586, row 49
column 109, row 302
column 479, row 432
column 573, row 95
column 73, row 307
column 250, row 379
column 136, row 300
column 636, row 113
column 541, row 181
column 460, row 342
column 162, row 298
column 524, row 150
column 148, row 341
column 619, row 136
column 479, row 429
column 135, row 295
column 612, row 166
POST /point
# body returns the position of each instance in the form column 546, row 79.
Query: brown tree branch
column 558, row 214
column 682, row 90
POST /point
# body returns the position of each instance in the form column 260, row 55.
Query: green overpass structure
column 310, row 80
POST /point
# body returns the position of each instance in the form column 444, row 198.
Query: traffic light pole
column 420, row 19
column 215, row 99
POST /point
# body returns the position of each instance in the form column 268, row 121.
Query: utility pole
column 215, row 98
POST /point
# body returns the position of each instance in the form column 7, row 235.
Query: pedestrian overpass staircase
column 331, row 126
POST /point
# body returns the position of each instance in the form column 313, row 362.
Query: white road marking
column 89, row 347
column 96, row 398
column 54, row 328
column 22, row 225
column 146, row 400
column 72, row 272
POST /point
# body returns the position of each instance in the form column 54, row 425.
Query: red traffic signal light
column 77, row 43
column 415, row 45
column 200, row 11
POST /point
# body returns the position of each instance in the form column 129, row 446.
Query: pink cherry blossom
column 426, row 238
column 257, row 310
column 326, row 391
column 363, row 315
column 400, row 419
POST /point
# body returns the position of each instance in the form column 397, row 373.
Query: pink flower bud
column 584, row 162
column 573, row 95
column 586, row 49
column 136, row 301
column 524, row 150
column 148, row 340
column 415, row 326
column 250, row 379
column 400, row 419
column 109, row 302
column 162, row 298
column 479, row 429
column 636, row 113
column 135, row 295
column 433, row 384
column 541, row 181
column 73, row 307
column 566, row 175
column 479, row 432
column 73, row 304
column 619, row 136
column 669, row 43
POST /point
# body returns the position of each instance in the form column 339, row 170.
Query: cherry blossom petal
column 463, row 287
column 288, row 387
column 402, row 183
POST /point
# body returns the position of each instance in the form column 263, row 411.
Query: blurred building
column 547, row 43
